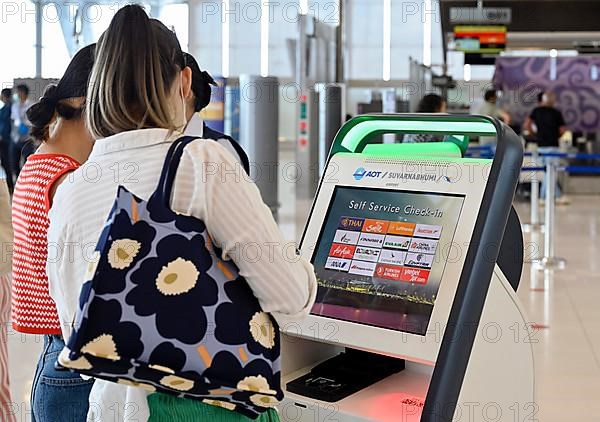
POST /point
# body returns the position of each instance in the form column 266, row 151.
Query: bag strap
column 169, row 170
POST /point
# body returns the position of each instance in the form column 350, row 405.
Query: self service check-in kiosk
column 413, row 320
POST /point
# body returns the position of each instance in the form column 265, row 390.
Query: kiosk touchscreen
column 403, row 244
column 380, row 256
column 387, row 238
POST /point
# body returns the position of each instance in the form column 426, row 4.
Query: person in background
column 5, row 139
column 547, row 124
column 430, row 103
column 22, row 146
column 140, row 128
column 197, row 101
column 489, row 108
column 57, row 394
column 6, row 236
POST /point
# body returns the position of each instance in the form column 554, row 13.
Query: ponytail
column 137, row 60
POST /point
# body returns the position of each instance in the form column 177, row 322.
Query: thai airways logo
column 351, row 223
column 360, row 173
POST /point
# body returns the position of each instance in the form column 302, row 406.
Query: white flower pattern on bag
column 80, row 363
column 177, row 383
column 219, row 403
column 263, row 400
column 256, row 384
column 92, row 266
column 262, row 329
column 122, row 253
column 177, row 277
column 102, row 346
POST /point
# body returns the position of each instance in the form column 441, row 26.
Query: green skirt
column 166, row 408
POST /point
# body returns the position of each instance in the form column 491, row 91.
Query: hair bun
column 41, row 113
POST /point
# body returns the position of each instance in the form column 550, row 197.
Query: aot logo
column 360, row 172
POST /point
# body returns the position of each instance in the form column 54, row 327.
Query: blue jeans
column 545, row 160
column 58, row 394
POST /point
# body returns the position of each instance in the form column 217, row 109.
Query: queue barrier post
column 549, row 261
column 534, row 221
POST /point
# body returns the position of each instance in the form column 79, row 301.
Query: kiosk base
column 501, row 354
column 344, row 374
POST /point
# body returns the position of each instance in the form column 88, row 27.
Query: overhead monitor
column 388, row 239
column 480, row 39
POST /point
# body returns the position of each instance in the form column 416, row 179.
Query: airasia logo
column 342, row 251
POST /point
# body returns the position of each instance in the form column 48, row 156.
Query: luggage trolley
column 414, row 319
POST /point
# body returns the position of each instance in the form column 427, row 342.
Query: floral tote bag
column 161, row 310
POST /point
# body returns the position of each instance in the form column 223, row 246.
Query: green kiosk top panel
column 355, row 135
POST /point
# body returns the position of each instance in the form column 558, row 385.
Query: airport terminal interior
column 433, row 167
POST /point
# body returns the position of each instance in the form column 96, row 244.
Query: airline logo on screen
column 423, row 245
column 391, row 257
column 408, row 275
column 351, row 223
column 362, row 268
column 401, row 228
column 346, row 237
column 367, row 254
column 420, row 260
column 371, row 239
column 342, row 251
column 428, row 231
column 338, row 264
column 375, row 226
column 397, row 242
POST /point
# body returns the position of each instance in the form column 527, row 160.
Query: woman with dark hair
column 57, row 122
column 201, row 92
column 430, row 103
column 136, row 108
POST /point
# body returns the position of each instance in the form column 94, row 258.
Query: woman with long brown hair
column 136, row 109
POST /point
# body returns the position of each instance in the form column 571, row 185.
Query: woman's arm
column 243, row 227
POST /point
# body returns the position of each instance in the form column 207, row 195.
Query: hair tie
column 207, row 78
column 48, row 101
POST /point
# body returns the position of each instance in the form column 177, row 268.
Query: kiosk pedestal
column 474, row 360
column 498, row 384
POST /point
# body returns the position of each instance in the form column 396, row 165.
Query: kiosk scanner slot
column 404, row 240
column 345, row 374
